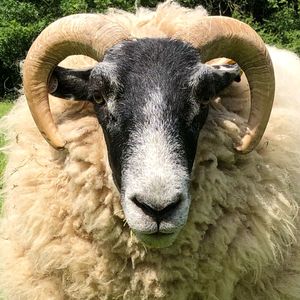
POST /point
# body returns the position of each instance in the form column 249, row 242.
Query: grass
column 5, row 106
column 4, row 109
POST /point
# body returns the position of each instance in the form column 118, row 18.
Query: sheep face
column 151, row 99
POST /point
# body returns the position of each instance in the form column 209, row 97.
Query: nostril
column 146, row 208
column 172, row 206
column 157, row 213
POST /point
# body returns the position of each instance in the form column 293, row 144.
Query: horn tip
column 246, row 144
column 58, row 146
column 56, row 142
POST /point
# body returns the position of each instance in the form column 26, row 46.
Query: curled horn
column 86, row 34
column 227, row 37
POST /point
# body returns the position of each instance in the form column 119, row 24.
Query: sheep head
column 150, row 97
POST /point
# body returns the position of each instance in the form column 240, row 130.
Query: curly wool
column 63, row 233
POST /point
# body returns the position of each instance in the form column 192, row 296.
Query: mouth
column 157, row 239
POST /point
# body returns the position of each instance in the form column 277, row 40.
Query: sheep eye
column 205, row 101
column 99, row 100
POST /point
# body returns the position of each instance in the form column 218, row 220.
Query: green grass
column 4, row 109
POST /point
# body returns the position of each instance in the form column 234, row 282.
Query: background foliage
column 22, row 20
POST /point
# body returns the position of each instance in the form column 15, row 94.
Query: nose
column 157, row 212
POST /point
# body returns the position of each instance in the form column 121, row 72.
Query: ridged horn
column 86, row 34
column 226, row 37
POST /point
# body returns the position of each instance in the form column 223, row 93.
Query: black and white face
column 150, row 97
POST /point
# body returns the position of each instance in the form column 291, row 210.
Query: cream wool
column 63, row 234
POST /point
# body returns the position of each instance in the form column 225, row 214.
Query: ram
column 152, row 184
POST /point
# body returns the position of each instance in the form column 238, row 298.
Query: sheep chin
column 157, row 240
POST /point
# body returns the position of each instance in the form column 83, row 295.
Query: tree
column 22, row 20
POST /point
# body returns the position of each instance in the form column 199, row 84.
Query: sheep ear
column 103, row 82
column 95, row 84
column 70, row 84
column 208, row 80
column 228, row 73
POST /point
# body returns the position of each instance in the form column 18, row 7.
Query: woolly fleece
column 63, row 234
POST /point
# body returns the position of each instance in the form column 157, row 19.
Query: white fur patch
column 153, row 168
